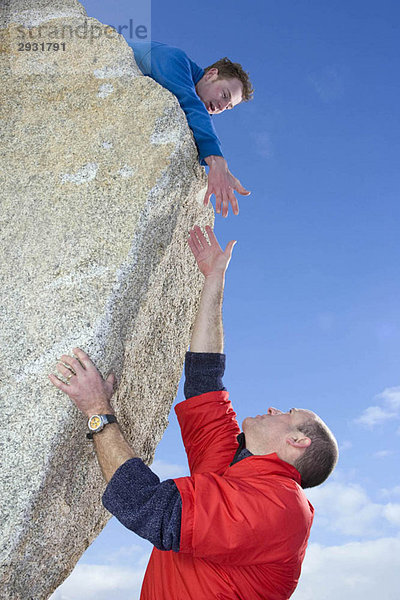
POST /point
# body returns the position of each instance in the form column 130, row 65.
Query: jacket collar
column 270, row 463
column 242, row 451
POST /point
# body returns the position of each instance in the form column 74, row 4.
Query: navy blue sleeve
column 203, row 373
column 150, row 508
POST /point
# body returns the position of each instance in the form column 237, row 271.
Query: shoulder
column 172, row 52
column 160, row 51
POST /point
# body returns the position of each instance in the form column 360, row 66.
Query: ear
column 298, row 441
column 212, row 73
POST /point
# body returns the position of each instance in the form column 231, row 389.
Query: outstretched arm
column 208, row 334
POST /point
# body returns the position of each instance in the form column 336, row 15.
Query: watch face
column 94, row 422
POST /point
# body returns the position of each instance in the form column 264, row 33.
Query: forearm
column 208, row 334
column 143, row 504
column 112, row 449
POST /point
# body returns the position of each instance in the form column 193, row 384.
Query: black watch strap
column 110, row 419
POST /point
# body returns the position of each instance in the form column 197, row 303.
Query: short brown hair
column 319, row 459
column 230, row 70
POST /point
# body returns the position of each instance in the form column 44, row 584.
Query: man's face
column 219, row 94
column 268, row 433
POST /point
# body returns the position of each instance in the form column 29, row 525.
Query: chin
column 244, row 423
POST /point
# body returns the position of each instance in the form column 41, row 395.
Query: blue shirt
column 174, row 70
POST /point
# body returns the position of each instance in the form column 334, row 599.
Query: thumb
column 242, row 190
column 245, row 192
column 111, row 379
column 207, row 196
column 229, row 247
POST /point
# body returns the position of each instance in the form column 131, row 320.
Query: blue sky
column 311, row 310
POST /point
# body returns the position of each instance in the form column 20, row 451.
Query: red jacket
column 244, row 528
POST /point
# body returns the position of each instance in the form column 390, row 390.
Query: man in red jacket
column 238, row 526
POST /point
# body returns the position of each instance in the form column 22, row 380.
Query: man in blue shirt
column 201, row 93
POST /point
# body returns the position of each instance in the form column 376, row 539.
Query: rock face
column 100, row 183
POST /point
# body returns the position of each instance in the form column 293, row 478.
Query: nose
column 222, row 103
column 274, row 411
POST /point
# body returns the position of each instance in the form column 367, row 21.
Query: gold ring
column 69, row 376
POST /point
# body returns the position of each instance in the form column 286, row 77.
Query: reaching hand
column 210, row 258
column 222, row 183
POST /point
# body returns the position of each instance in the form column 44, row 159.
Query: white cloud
column 389, row 408
column 392, row 513
column 383, row 453
column 375, row 415
column 354, row 571
column 166, row 470
column 391, row 396
column 347, row 509
column 126, row 555
column 102, row 582
column 390, row 492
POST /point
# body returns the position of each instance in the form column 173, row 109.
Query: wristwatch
column 97, row 422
